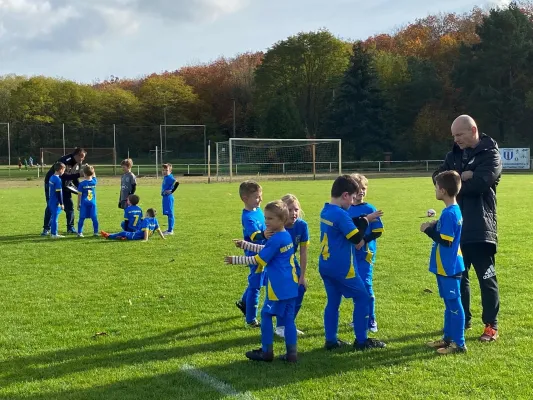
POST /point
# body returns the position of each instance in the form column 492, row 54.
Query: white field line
column 219, row 386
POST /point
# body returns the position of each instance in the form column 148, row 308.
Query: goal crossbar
column 312, row 142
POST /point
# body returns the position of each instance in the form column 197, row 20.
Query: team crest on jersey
column 298, row 238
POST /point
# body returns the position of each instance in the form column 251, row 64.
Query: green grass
column 163, row 304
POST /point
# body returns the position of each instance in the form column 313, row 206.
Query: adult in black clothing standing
column 475, row 156
column 72, row 162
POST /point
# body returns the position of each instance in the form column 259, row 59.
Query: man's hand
column 375, row 215
column 466, row 175
column 360, row 245
column 303, row 282
column 167, row 192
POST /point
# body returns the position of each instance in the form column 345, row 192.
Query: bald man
column 475, row 156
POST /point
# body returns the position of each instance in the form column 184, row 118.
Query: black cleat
column 259, row 355
column 241, row 306
column 335, row 345
column 369, row 344
column 254, row 324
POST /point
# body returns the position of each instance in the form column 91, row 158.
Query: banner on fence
column 515, row 158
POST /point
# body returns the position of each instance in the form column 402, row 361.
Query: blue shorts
column 168, row 205
column 87, row 210
column 449, row 287
column 279, row 308
column 349, row 288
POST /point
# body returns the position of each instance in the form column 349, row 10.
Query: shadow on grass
column 244, row 375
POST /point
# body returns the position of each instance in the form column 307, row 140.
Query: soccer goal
column 290, row 158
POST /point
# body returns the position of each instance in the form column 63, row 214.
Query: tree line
column 393, row 92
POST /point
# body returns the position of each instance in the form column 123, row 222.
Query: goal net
column 95, row 156
column 291, row 158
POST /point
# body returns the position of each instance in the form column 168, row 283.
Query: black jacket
column 477, row 198
column 70, row 174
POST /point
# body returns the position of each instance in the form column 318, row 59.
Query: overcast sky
column 84, row 40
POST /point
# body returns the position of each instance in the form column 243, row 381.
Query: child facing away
column 133, row 214
column 365, row 250
column 446, row 262
column 87, row 200
column 277, row 256
column 148, row 226
column 128, row 182
column 337, row 264
column 253, row 229
column 55, row 198
column 299, row 232
column 168, row 187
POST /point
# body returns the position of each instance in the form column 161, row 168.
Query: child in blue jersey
column 277, row 256
column 365, row 250
column 337, row 264
column 55, row 198
column 168, row 187
column 87, row 200
column 148, row 226
column 446, row 261
column 299, row 232
column 253, row 228
column 133, row 214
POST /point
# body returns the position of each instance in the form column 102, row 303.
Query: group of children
column 135, row 226
column 349, row 229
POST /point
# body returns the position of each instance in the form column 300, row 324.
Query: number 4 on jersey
column 324, row 248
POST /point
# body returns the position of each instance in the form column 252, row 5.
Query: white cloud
column 74, row 25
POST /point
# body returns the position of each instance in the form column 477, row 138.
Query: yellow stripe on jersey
column 304, row 244
column 271, row 294
column 144, row 229
column 351, row 271
column 352, row 233
column 253, row 235
column 446, row 237
column 326, row 221
column 377, row 230
column 58, row 190
column 459, row 252
column 261, row 264
column 440, row 268
column 369, row 256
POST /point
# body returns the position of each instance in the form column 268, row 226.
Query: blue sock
column 457, row 321
column 95, row 225
column 252, row 302
column 290, row 328
column 360, row 317
column 171, row 222
column 80, row 225
column 447, row 322
column 299, row 300
column 331, row 312
column 243, row 298
column 267, row 332
column 371, row 303
column 54, row 222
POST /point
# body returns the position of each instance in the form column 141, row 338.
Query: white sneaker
column 80, row 235
column 57, row 236
column 351, row 324
column 280, row 331
column 299, row 332
column 167, row 233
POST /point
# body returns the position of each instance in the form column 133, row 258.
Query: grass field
column 172, row 330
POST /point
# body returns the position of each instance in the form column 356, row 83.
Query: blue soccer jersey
column 253, row 224
column 300, row 237
column 134, row 216
column 87, row 188
column 367, row 252
column 337, row 253
column 278, row 258
column 55, row 191
column 448, row 261
column 168, row 184
column 149, row 225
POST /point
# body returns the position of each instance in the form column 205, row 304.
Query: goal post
column 278, row 157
